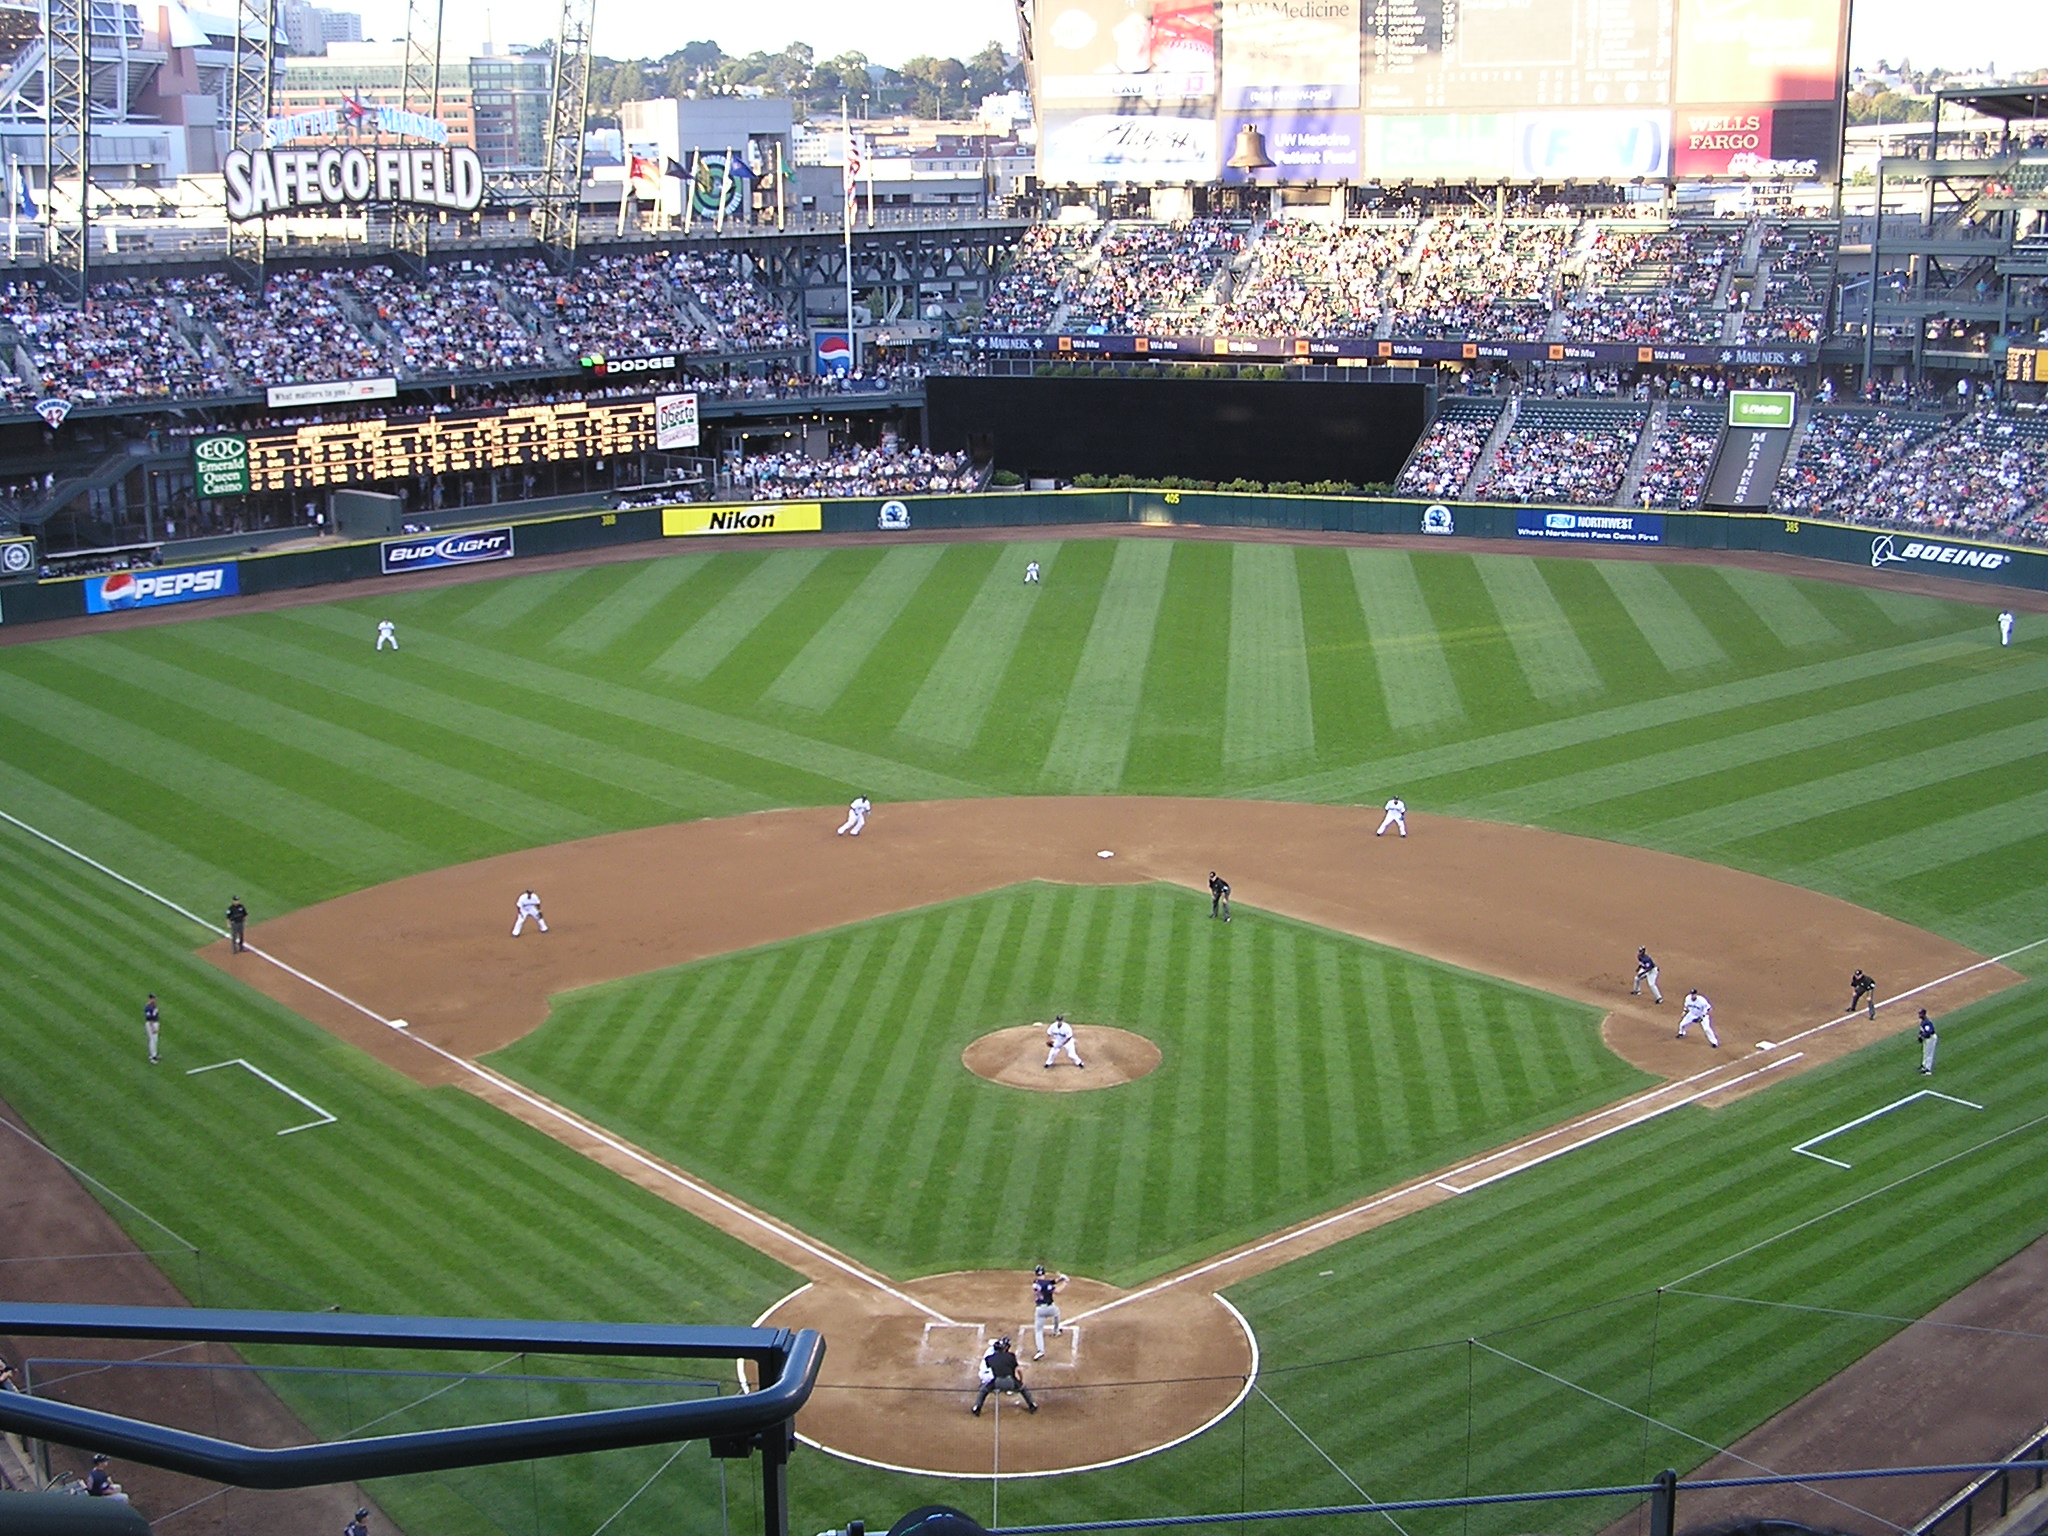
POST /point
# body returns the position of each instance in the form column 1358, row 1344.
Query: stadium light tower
column 67, row 138
column 560, row 194
column 420, row 92
column 252, row 99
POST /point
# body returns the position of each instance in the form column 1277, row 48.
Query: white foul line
column 505, row 1085
column 1813, row 1141
column 290, row 1093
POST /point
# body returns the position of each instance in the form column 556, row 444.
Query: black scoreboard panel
column 360, row 452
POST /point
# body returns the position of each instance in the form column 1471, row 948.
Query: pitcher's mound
column 1016, row 1058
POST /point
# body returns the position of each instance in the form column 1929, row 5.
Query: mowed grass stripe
column 1674, row 633
column 1909, row 610
column 1266, row 707
column 516, row 814
column 520, row 739
column 1809, row 733
column 953, row 701
column 1414, row 673
column 699, row 650
column 643, row 593
column 509, row 600
column 1938, row 841
column 1783, row 607
column 1508, row 746
column 1553, row 660
column 818, row 675
column 839, row 765
column 1094, row 735
column 313, row 827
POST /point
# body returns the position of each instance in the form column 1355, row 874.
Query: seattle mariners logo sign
column 893, row 516
column 1437, row 519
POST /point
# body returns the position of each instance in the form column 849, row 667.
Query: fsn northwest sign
column 266, row 181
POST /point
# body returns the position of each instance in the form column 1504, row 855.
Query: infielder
column 1059, row 1036
column 1699, row 1010
column 1043, row 1308
column 1219, row 896
column 1928, row 1041
column 387, row 634
column 151, row 1023
column 2004, row 627
column 1397, row 816
column 1031, row 573
column 856, row 816
column 1646, row 975
column 529, row 906
column 1862, row 988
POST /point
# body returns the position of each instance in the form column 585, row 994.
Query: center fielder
column 1031, row 572
column 1699, row 1011
column 1043, row 1308
column 1862, row 992
column 387, row 634
column 529, row 906
column 1397, row 816
column 1059, row 1036
column 856, row 816
column 1646, row 975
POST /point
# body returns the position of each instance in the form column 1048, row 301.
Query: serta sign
column 152, row 589
column 267, row 181
column 447, row 549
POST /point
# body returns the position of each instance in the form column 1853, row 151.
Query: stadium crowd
column 853, row 472
column 1988, row 478
column 1839, row 454
column 1029, row 296
column 1680, row 454
column 1153, row 279
column 1481, row 278
column 1581, row 462
column 1442, row 462
column 1653, row 285
column 1316, row 280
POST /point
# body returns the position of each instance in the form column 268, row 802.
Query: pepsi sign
column 122, row 590
column 466, row 548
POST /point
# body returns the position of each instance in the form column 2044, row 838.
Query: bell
column 1250, row 154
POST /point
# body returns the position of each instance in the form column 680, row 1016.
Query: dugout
column 1199, row 429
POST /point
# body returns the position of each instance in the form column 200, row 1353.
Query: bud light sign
column 123, row 590
column 447, row 549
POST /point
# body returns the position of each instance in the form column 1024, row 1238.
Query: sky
column 1955, row 33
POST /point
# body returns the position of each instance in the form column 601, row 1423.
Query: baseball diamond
column 1393, row 1185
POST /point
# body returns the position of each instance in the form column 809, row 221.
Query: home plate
column 1105, row 854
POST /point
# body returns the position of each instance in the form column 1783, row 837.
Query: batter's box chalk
column 1767, row 1045
column 955, row 1344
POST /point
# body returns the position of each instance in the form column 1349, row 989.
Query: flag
column 24, row 200
column 856, row 161
column 641, row 171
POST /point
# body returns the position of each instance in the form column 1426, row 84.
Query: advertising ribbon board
column 220, row 466
column 755, row 517
column 1761, row 407
column 122, row 590
column 469, row 547
column 675, row 422
column 1591, row 527
column 280, row 396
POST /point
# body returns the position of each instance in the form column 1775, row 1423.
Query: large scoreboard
column 1321, row 91
column 404, row 448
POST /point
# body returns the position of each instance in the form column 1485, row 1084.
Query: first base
column 1105, row 854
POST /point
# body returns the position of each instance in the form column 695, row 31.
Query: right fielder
column 1646, row 975
column 1699, row 1011
column 1043, row 1308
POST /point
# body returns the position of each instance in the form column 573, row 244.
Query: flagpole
column 13, row 203
column 724, row 188
column 625, row 191
column 781, row 175
column 846, row 203
column 690, row 193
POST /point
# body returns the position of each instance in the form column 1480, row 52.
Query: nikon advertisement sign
column 220, row 466
column 755, row 517
column 267, row 181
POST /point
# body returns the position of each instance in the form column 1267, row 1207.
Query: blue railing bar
column 1550, row 1495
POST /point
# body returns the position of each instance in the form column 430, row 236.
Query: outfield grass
column 1877, row 746
column 1301, row 1067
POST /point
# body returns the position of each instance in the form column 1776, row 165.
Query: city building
column 496, row 102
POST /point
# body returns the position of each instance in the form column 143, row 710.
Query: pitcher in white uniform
column 1059, row 1036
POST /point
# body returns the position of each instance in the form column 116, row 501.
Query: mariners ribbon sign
column 266, row 181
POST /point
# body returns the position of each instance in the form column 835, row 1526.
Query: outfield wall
column 1541, row 529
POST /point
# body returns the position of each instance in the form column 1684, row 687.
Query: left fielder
column 1701, row 1012
column 1043, row 1308
column 1059, row 1036
column 1397, row 816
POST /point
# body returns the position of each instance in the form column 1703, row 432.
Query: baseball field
column 1476, row 1220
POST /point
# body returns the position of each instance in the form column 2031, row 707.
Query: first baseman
column 529, row 906
column 856, row 816
column 1059, row 1036
column 1862, row 992
column 1397, row 816
column 387, row 634
column 1928, row 1041
column 1646, row 975
column 1043, row 1308
column 1699, row 1010
column 151, row 1023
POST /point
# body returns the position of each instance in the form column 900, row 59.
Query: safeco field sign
column 758, row 517
column 1761, row 407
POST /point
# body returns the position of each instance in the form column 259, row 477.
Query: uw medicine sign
column 266, row 181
